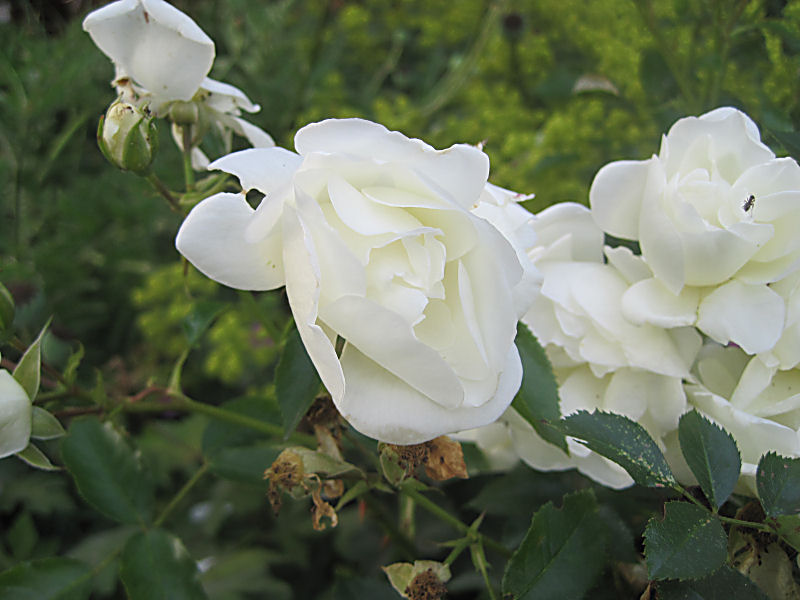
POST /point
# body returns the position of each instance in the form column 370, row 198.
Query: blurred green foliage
column 555, row 89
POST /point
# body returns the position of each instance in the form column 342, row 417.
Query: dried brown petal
column 426, row 586
column 445, row 459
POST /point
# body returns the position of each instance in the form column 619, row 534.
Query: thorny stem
column 177, row 498
column 445, row 516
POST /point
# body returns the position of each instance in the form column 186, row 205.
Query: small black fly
column 748, row 204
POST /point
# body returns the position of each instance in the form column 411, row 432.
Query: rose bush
column 162, row 59
column 373, row 235
column 716, row 215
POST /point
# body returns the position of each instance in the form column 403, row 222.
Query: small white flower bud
column 127, row 137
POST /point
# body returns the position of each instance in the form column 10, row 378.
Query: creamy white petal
column 385, row 407
column 263, row 169
column 616, row 196
column 157, row 45
column 648, row 301
column 212, row 238
column 15, row 416
column 226, row 98
column 751, row 316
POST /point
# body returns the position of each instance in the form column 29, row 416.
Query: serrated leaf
column 724, row 584
column 623, row 441
column 28, row 370
column 562, row 553
column 296, row 381
column 778, row 484
column 711, row 454
column 44, row 425
column 36, row 458
column 156, row 566
column 787, row 527
column 537, row 400
column 688, row 543
column 107, row 473
column 46, row 579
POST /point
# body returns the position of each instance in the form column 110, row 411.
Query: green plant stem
column 162, row 189
column 177, row 498
column 730, row 520
column 404, row 543
column 181, row 402
column 445, row 516
column 188, row 171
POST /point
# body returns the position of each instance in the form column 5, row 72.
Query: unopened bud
column 184, row 113
column 128, row 138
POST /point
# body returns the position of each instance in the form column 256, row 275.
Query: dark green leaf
column 711, row 454
column 202, row 315
column 244, row 463
column 562, row 553
column 296, row 381
column 6, row 308
column 155, row 566
column 46, row 579
column 537, row 399
column 788, row 527
column 778, row 484
column 790, row 140
column 625, row 442
column 45, row 426
column 724, row 584
column 688, row 543
column 106, row 472
column 28, row 370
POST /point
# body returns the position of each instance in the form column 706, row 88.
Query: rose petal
column 385, row 407
column 212, row 238
column 226, row 98
column 263, row 169
column 616, row 196
column 648, row 301
column 752, row 316
column 157, row 45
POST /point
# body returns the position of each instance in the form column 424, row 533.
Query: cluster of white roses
column 707, row 316
column 406, row 271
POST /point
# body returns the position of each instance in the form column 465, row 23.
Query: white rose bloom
column 161, row 56
column 372, row 234
column 601, row 360
column 16, row 413
column 716, row 215
column 757, row 403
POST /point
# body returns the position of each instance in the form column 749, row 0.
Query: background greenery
column 555, row 89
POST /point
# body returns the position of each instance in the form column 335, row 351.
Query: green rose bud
column 127, row 137
column 184, row 113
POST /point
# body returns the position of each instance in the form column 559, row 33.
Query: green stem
column 177, row 498
column 732, row 521
column 162, row 189
column 188, row 171
column 445, row 516
column 404, row 543
column 181, row 402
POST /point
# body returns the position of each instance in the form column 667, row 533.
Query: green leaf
column 711, row 454
column 296, row 381
column 73, row 362
column 45, row 426
column 107, row 473
column 562, row 553
column 625, row 442
column 156, row 566
column 688, row 543
column 46, row 579
column 36, row 458
column 790, row 140
column 778, row 484
column 200, row 319
column 537, row 400
column 724, row 584
column 787, row 527
column 28, row 370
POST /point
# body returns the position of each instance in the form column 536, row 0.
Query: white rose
column 716, row 216
column 16, row 413
column 372, row 234
column 756, row 402
column 601, row 360
column 161, row 57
